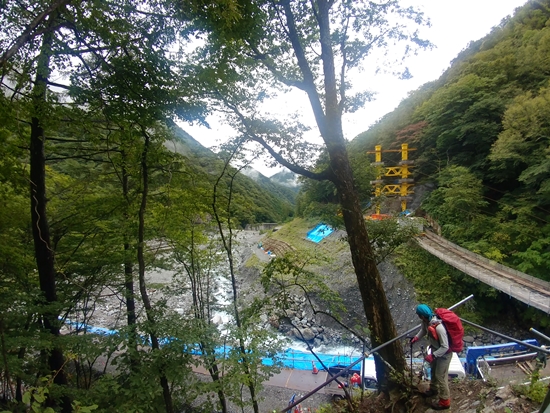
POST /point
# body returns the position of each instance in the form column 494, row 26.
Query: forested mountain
column 267, row 201
column 482, row 135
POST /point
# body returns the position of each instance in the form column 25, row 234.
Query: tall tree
column 249, row 359
column 312, row 47
column 18, row 264
column 51, row 37
column 40, row 228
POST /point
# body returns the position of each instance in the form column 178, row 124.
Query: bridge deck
column 530, row 290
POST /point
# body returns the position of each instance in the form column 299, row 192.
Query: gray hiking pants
column 440, row 371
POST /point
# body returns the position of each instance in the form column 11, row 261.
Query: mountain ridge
column 274, row 199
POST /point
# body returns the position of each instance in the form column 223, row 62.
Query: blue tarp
column 290, row 358
column 90, row 329
column 319, row 232
column 301, row 360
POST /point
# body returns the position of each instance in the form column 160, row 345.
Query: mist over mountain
column 284, row 184
column 286, row 178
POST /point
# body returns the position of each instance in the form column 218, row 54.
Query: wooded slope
column 482, row 136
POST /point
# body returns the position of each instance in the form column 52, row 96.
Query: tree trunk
column 129, row 276
column 227, row 242
column 377, row 311
column 194, row 272
column 40, row 228
column 375, row 304
column 142, row 287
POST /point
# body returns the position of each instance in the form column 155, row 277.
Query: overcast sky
column 454, row 25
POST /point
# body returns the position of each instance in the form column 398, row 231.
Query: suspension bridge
column 530, row 290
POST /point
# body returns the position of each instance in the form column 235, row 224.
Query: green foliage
column 536, row 389
column 285, row 276
column 36, row 398
column 536, row 258
column 388, row 234
column 326, row 213
column 78, row 407
column 521, row 151
column 122, row 87
column 258, row 200
column 464, row 119
column 487, row 114
column 441, row 285
column 532, row 317
column 458, row 199
column 326, row 408
column 319, row 199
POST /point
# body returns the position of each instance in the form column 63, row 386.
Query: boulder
column 307, row 334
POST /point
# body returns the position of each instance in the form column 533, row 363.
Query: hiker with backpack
column 438, row 327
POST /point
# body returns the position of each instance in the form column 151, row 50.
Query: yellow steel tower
column 403, row 184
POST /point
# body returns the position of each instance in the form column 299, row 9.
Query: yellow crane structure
column 402, row 186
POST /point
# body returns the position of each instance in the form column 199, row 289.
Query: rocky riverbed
column 299, row 323
column 322, row 332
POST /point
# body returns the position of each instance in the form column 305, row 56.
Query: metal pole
column 544, row 350
column 411, row 345
column 364, row 365
column 365, row 355
column 316, row 389
column 539, row 334
column 460, row 302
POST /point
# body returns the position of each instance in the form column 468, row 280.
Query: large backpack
column 454, row 328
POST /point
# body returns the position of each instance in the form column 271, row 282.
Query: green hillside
column 115, row 218
column 482, row 136
column 261, row 199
